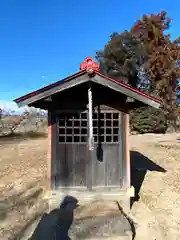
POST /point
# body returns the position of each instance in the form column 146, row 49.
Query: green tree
column 162, row 64
column 146, row 58
column 122, row 57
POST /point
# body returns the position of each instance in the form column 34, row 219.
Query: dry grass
column 22, row 175
column 160, row 192
column 23, row 183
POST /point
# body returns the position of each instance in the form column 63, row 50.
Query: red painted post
column 49, row 150
column 128, row 165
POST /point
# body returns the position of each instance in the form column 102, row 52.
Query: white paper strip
column 91, row 145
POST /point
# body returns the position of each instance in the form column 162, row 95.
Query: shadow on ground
column 61, row 224
column 56, row 224
column 140, row 164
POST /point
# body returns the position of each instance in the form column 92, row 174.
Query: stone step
column 55, row 198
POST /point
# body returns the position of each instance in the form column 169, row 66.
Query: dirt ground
column 155, row 176
column 158, row 210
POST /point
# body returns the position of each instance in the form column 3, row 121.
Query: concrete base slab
column 98, row 215
column 54, row 197
column 100, row 221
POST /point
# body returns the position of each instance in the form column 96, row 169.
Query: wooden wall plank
column 98, row 165
column 71, row 164
column 113, row 165
column 64, row 163
column 80, row 156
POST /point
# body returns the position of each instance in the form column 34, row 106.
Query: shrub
column 148, row 120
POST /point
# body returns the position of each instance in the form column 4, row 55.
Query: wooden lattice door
column 77, row 168
column 107, row 160
column 72, row 149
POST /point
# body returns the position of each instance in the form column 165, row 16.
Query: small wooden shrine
column 88, row 129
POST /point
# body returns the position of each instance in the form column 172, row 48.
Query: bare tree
column 31, row 120
column 17, row 121
column 35, row 118
column 1, row 121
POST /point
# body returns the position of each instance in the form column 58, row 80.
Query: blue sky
column 43, row 41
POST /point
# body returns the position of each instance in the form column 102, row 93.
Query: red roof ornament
column 89, row 65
